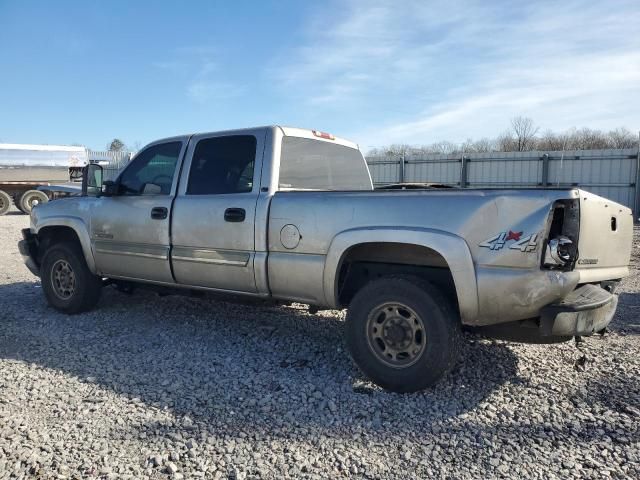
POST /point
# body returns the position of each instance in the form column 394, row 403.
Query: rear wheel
column 5, row 202
column 68, row 284
column 403, row 333
column 17, row 197
column 31, row 198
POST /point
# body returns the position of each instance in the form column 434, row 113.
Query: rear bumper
column 584, row 311
column 28, row 248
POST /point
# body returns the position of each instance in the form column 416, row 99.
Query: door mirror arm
column 109, row 188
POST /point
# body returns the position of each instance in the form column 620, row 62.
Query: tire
column 403, row 333
column 68, row 284
column 5, row 202
column 31, row 198
column 16, row 201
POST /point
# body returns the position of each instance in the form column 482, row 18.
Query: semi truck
column 24, row 169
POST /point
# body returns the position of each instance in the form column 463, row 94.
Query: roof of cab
column 286, row 131
column 306, row 133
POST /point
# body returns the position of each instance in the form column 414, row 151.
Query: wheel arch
column 444, row 249
column 67, row 228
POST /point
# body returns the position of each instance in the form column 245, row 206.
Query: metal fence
column 610, row 173
column 112, row 162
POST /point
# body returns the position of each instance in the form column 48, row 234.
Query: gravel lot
column 174, row 387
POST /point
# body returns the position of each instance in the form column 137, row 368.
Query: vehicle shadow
column 627, row 319
column 229, row 365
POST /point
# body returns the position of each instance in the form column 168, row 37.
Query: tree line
column 522, row 136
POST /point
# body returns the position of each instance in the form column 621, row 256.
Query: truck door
column 213, row 222
column 130, row 230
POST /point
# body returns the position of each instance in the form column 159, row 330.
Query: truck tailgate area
column 606, row 231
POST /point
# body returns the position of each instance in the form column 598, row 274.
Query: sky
column 374, row 71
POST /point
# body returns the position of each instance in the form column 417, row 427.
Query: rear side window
column 222, row 165
column 307, row 164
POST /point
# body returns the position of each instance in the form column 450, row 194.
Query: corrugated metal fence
column 609, row 173
column 112, row 162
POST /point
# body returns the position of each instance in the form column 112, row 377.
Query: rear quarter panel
column 475, row 216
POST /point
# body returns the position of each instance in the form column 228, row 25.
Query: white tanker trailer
column 25, row 168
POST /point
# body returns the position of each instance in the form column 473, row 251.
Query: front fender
column 80, row 228
column 452, row 248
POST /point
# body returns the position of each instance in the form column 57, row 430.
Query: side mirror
column 110, row 188
column 92, row 180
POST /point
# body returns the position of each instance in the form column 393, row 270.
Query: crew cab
column 291, row 215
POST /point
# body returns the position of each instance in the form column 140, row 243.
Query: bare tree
column 478, row 146
column 525, row 132
column 397, row 150
column 116, row 145
column 622, row 138
column 523, row 136
column 550, row 141
column 506, row 142
column 587, row 139
column 444, row 147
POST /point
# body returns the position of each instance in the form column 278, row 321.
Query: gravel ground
column 175, row 387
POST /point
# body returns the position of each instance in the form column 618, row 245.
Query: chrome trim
column 133, row 250
column 210, row 256
column 554, row 250
column 192, row 287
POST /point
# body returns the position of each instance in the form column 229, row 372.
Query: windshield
column 307, row 164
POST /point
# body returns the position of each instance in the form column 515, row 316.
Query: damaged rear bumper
column 585, row 311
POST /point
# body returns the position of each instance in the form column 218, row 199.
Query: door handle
column 159, row 213
column 234, row 215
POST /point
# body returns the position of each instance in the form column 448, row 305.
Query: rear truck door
column 213, row 220
column 130, row 230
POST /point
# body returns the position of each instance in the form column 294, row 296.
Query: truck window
column 307, row 164
column 154, row 166
column 222, row 165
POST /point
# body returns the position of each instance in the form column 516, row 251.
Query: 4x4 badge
column 524, row 244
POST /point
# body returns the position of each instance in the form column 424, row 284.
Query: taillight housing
column 325, row 135
column 560, row 250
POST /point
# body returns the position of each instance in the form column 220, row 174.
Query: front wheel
column 403, row 333
column 68, row 284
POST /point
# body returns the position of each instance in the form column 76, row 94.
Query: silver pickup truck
column 291, row 215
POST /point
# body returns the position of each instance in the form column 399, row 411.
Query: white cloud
column 203, row 91
column 173, row 66
column 204, row 80
column 452, row 70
